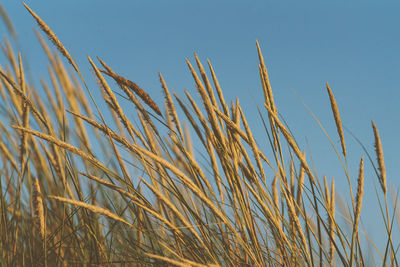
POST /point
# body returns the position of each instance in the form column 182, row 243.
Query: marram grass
column 90, row 184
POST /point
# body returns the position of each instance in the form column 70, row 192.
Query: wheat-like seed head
column 360, row 192
column 206, row 81
column 135, row 88
column 336, row 115
column 64, row 145
column 25, row 99
column 95, row 209
column 38, row 208
column 218, row 89
column 269, row 98
column 53, row 38
column 171, row 106
column 379, row 155
column 275, row 193
column 300, row 183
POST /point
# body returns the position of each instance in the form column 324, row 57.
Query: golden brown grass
column 135, row 88
column 379, row 155
column 38, row 208
column 131, row 190
column 52, row 37
column 338, row 121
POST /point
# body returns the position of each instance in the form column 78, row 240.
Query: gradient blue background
column 353, row 46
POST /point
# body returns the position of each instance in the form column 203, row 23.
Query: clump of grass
column 114, row 192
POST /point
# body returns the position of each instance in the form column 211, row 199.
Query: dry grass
column 52, row 37
column 338, row 121
column 379, row 155
column 131, row 190
column 38, row 208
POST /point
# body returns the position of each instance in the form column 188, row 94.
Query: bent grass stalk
column 52, row 37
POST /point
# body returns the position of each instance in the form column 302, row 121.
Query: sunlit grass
column 84, row 183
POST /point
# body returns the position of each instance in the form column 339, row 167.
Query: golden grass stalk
column 8, row 51
column 208, row 106
column 135, row 88
column 150, row 138
column 332, row 225
column 2, row 92
column 38, row 209
column 137, row 103
column 110, row 185
column 297, row 225
column 357, row 212
column 171, row 106
column 177, row 213
column 53, row 38
column 193, row 164
column 275, row 193
column 188, row 140
column 268, row 95
column 7, row 21
column 192, row 121
column 117, row 137
column 218, row 89
column 253, row 145
column 300, row 183
column 360, row 192
column 252, row 171
column 291, row 169
column 292, row 143
column 201, row 118
column 19, row 92
column 215, row 169
column 21, row 77
column 46, row 49
column 24, row 138
column 233, row 126
column 54, row 106
column 25, row 113
column 183, row 263
column 327, row 195
column 269, row 98
column 64, row 145
column 135, row 200
column 207, row 83
column 115, row 105
column 95, row 209
column 7, row 154
column 379, row 155
column 13, row 95
column 336, row 115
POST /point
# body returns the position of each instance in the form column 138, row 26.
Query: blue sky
column 352, row 45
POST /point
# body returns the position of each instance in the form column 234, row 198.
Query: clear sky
column 353, row 45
